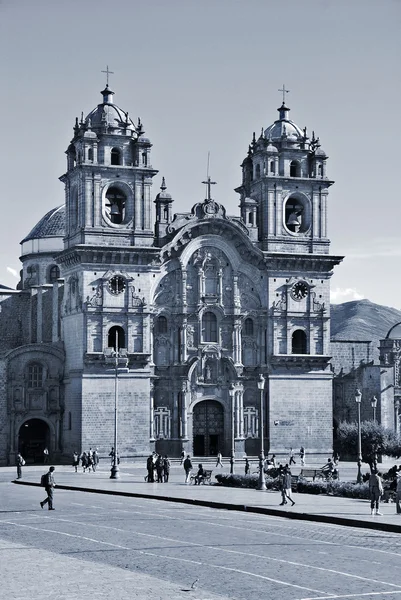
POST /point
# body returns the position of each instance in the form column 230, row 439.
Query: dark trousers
column 19, row 472
column 49, row 499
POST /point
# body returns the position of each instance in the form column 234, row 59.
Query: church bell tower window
column 115, row 156
column 294, row 215
column 295, row 169
column 115, row 209
column 299, row 342
column 112, row 337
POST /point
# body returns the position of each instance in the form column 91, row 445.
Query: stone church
column 203, row 326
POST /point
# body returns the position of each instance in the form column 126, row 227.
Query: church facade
column 203, row 326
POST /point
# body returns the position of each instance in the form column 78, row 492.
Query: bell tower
column 108, row 180
column 285, row 173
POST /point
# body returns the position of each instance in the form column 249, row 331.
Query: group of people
column 376, row 489
column 158, row 468
column 89, row 460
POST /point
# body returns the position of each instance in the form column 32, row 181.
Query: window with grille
column 209, row 327
column 35, row 376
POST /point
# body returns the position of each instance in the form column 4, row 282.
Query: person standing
column 20, row 463
column 75, row 461
column 286, row 492
column 187, row 468
column 398, row 494
column 247, row 467
column 166, row 468
column 49, row 485
column 159, row 468
column 219, row 461
column 46, row 455
column 111, row 454
column 182, row 457
column 375, row 491
column 95, row 457
column 302, row 456
column 149, row 467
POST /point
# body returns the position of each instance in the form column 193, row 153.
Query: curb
column 273, row 512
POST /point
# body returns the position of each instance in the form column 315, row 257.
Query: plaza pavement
column 318, row 508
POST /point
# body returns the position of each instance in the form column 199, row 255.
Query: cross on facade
column 209, row 183
column 284, row 92
column 107, row 74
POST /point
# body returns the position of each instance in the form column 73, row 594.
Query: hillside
column 362, row 320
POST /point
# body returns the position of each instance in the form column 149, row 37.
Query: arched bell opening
column 116, row 338
column 33, row 438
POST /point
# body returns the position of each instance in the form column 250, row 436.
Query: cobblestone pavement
column 102, row 546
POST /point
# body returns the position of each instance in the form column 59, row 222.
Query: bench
column 207, row 478
column 318, row 474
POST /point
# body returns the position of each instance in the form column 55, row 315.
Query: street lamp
column 374, row 404
column 358, row 398
column 118, row 358
column 262, row 482
column 231, row 392
column 396, row 415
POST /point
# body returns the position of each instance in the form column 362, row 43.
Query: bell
column 114, row 209
column 293, row 219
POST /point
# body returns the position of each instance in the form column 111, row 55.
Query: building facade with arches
column 199, row 304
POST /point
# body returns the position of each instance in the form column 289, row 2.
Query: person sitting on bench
column 328, row 468
column 201, row 474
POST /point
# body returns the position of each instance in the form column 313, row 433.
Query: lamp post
column 262, row 482
column 396, row 415
column 358, row 398
column 231, row 392
column 374, row 404
column 117, row 358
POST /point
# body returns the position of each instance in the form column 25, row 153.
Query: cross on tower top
column 284, row 92
column 107, row 74
column 208, row 184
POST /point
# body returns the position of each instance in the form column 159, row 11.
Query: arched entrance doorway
column 33, row 437
column 208, row 428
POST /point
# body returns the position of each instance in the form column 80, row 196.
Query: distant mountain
column 362, row 320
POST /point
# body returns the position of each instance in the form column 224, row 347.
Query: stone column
column 55, row 315
column 39, row 315
column 185, row 402
column 151, row 413
column 241, row 413
column 237, row 414
column 221, row 286
column 184, row 341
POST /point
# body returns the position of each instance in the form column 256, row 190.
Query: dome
column 108, row 114
column 395, row 332
column 320, row 152
column 271, row 149
column 51, row 225
column 284, row 128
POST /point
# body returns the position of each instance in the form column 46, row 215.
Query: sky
column 203, row 75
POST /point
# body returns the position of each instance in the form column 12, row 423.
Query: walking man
column 49, row 485
column 375, row 491
column 20, row 464
column 187, row 468
column 45, row 456
column 302, row 456
column 291, row 459
column 219, row 461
